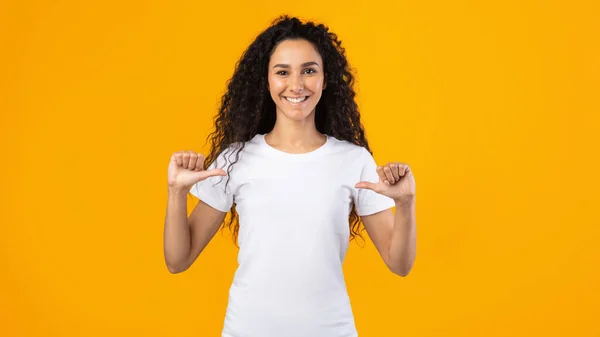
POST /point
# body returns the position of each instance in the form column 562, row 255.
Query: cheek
column 317, row 84
column 276, row 86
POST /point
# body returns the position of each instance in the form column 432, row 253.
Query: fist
column 186, row 169
column 395, row 181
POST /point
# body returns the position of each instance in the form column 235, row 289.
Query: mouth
column 296, row 100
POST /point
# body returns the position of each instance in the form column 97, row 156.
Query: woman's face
column 296, row 79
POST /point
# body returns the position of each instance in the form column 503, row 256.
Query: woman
column 290, row 161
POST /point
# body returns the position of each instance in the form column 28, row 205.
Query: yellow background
column 494, row 105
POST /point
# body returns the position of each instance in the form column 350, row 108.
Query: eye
column 312, row 71
column 281, row 72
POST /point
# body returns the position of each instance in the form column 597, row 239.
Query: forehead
column 295, row 52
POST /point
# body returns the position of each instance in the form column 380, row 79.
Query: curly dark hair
column 247, row 108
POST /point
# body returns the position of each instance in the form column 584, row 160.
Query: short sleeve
column 212, row 190
column 369, row 202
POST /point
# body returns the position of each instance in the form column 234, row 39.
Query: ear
column 325, row 82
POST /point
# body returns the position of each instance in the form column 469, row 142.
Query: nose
column 296, row 83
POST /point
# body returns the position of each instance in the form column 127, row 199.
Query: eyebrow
column 305, row 64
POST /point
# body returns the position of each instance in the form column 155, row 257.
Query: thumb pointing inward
column 365, row 184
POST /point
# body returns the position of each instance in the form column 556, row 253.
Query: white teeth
column 296, row 100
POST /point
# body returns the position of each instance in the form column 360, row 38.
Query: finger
column 185, row 156
column 395, row 171
column 366, row 185
column 214, row 172
column 389, row 175
column 380, row 173
column 178, row 158
column 406, row 169
column 403, row 169
column 200, row 162
column 193, row 160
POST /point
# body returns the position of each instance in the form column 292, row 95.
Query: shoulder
column 349, row 149
column 241, row 146
column 234, row 152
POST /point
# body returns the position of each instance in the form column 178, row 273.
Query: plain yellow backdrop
column 495, row 106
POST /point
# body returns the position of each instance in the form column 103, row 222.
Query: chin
column 297, row 115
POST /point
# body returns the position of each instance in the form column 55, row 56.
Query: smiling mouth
column 296, row 100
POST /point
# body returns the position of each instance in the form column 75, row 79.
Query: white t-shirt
column 293, row 212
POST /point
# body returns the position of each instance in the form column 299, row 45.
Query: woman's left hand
column 395, row 181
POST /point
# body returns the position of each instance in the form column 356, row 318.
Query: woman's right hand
column 186, row 169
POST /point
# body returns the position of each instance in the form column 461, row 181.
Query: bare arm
column 185, row 238
column 394, row 236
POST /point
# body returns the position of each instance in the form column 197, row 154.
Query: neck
column 295, row 135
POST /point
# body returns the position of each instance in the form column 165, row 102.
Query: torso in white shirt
column 293, row 213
